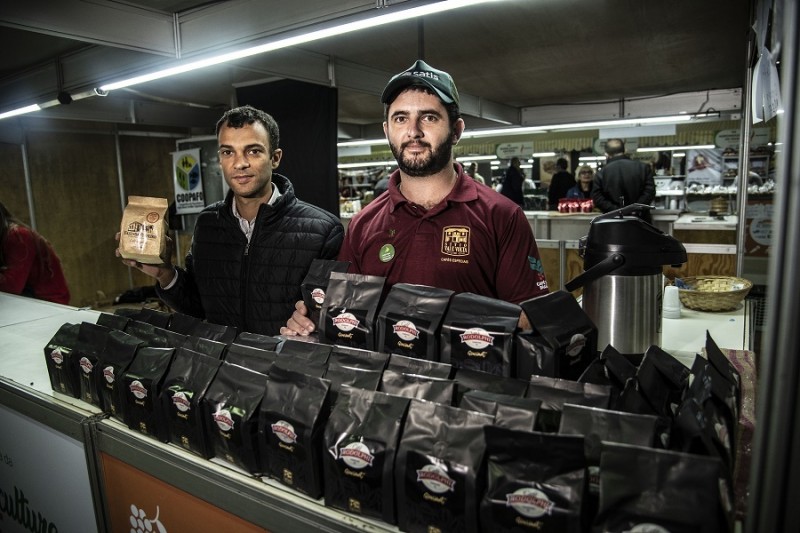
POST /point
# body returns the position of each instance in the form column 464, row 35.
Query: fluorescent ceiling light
column 365, row 142
column 314, row 35
column 477, row 158
column 670, row 148
column 367, row 164
column 20, row 111
column 678, row 154
column 592, row 158
column 543, row 154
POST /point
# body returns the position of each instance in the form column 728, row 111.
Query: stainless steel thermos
column 622, row 278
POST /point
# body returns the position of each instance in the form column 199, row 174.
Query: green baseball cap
column 424, row 75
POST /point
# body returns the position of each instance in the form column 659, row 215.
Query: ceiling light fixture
column 671, row 148
column 20, row 111
column 468, row 158
column 366, row 164
column 301, row 38
column 389, row 16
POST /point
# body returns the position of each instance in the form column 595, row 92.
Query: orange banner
column 142, row 503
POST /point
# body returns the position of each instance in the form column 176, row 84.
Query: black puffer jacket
column 253, row 287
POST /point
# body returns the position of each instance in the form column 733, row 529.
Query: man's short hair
column 615, row 146
column 240, row 116
column 562, row 163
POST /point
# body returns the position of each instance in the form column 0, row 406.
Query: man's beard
column 424, row 165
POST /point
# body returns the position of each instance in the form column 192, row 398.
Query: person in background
column 512, row 182
column 251, row 251
column 560, row 183
column 473, row 171
column 381, row 185
column 622, row 181
column 436, row 226
column 29, row 266
column 582, row 189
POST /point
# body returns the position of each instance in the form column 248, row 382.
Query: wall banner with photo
column 704, row 167
column 189, row 196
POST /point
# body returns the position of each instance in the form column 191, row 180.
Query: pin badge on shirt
column 386, row 253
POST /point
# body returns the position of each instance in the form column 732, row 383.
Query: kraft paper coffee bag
column 143, row 231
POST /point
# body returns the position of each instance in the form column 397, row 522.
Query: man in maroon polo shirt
column 436, row 226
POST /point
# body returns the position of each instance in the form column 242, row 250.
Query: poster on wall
column 188, row 182
column 758, row 226
column 704, row 167
column 44, row 479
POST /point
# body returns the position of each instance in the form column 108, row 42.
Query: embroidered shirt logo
column 455, row 241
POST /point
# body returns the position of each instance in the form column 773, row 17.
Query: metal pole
column 122, row 195
column 28, row 186
column 744, row 161
column 774, row 485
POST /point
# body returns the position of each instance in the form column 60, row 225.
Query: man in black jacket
column 622, row 181
column 251, row 251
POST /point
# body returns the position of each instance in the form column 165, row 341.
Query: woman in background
column 28, row 264
column 583, row 188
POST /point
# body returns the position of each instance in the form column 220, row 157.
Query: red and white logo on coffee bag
column 138, row 389
column 284, row 431
column 356, row 455
column 346, row 322
column 223, row 419
column 529, row 502
column 477, row 338
column 181, row 402
column 108, row 374
column 57, row 355
column 86, row 365
column 435, row 479
column 406, row 330
column 318, row 295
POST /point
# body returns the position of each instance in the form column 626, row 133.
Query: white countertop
column 683, row 337
column 691, row 221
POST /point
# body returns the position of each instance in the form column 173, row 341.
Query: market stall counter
column 79, row 469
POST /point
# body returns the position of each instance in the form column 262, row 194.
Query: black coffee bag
column 205, row 346
column 360, row 378
column 91, row 342
column 467, row 380
column 439, row 481
column 216, row 332
column 251, row 358
column 61, row 368
column 183, row 324
column 141, row 384
column 117, row 355
column 351, row 304
column 290, row 426
column 597, row 425
column 412, row 365
column 187, row 381
column 645, row 489
column 419, row 387
column 510, row 412
column 478, row 333
column 536, row 482
column 230, row 408
column 160, row 319
column 113, row 321
column 662, row 380
column 316, row 282
column 256, row 340
column 613, row 369
column 313, row 352
column 567, row 337
column 155, row 336
column 410, row 318
column 360, row 441
column 356, row 358
column 555, row 392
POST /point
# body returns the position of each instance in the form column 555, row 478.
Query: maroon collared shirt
column 475, row 240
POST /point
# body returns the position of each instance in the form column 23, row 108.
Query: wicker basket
column 714, row 293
